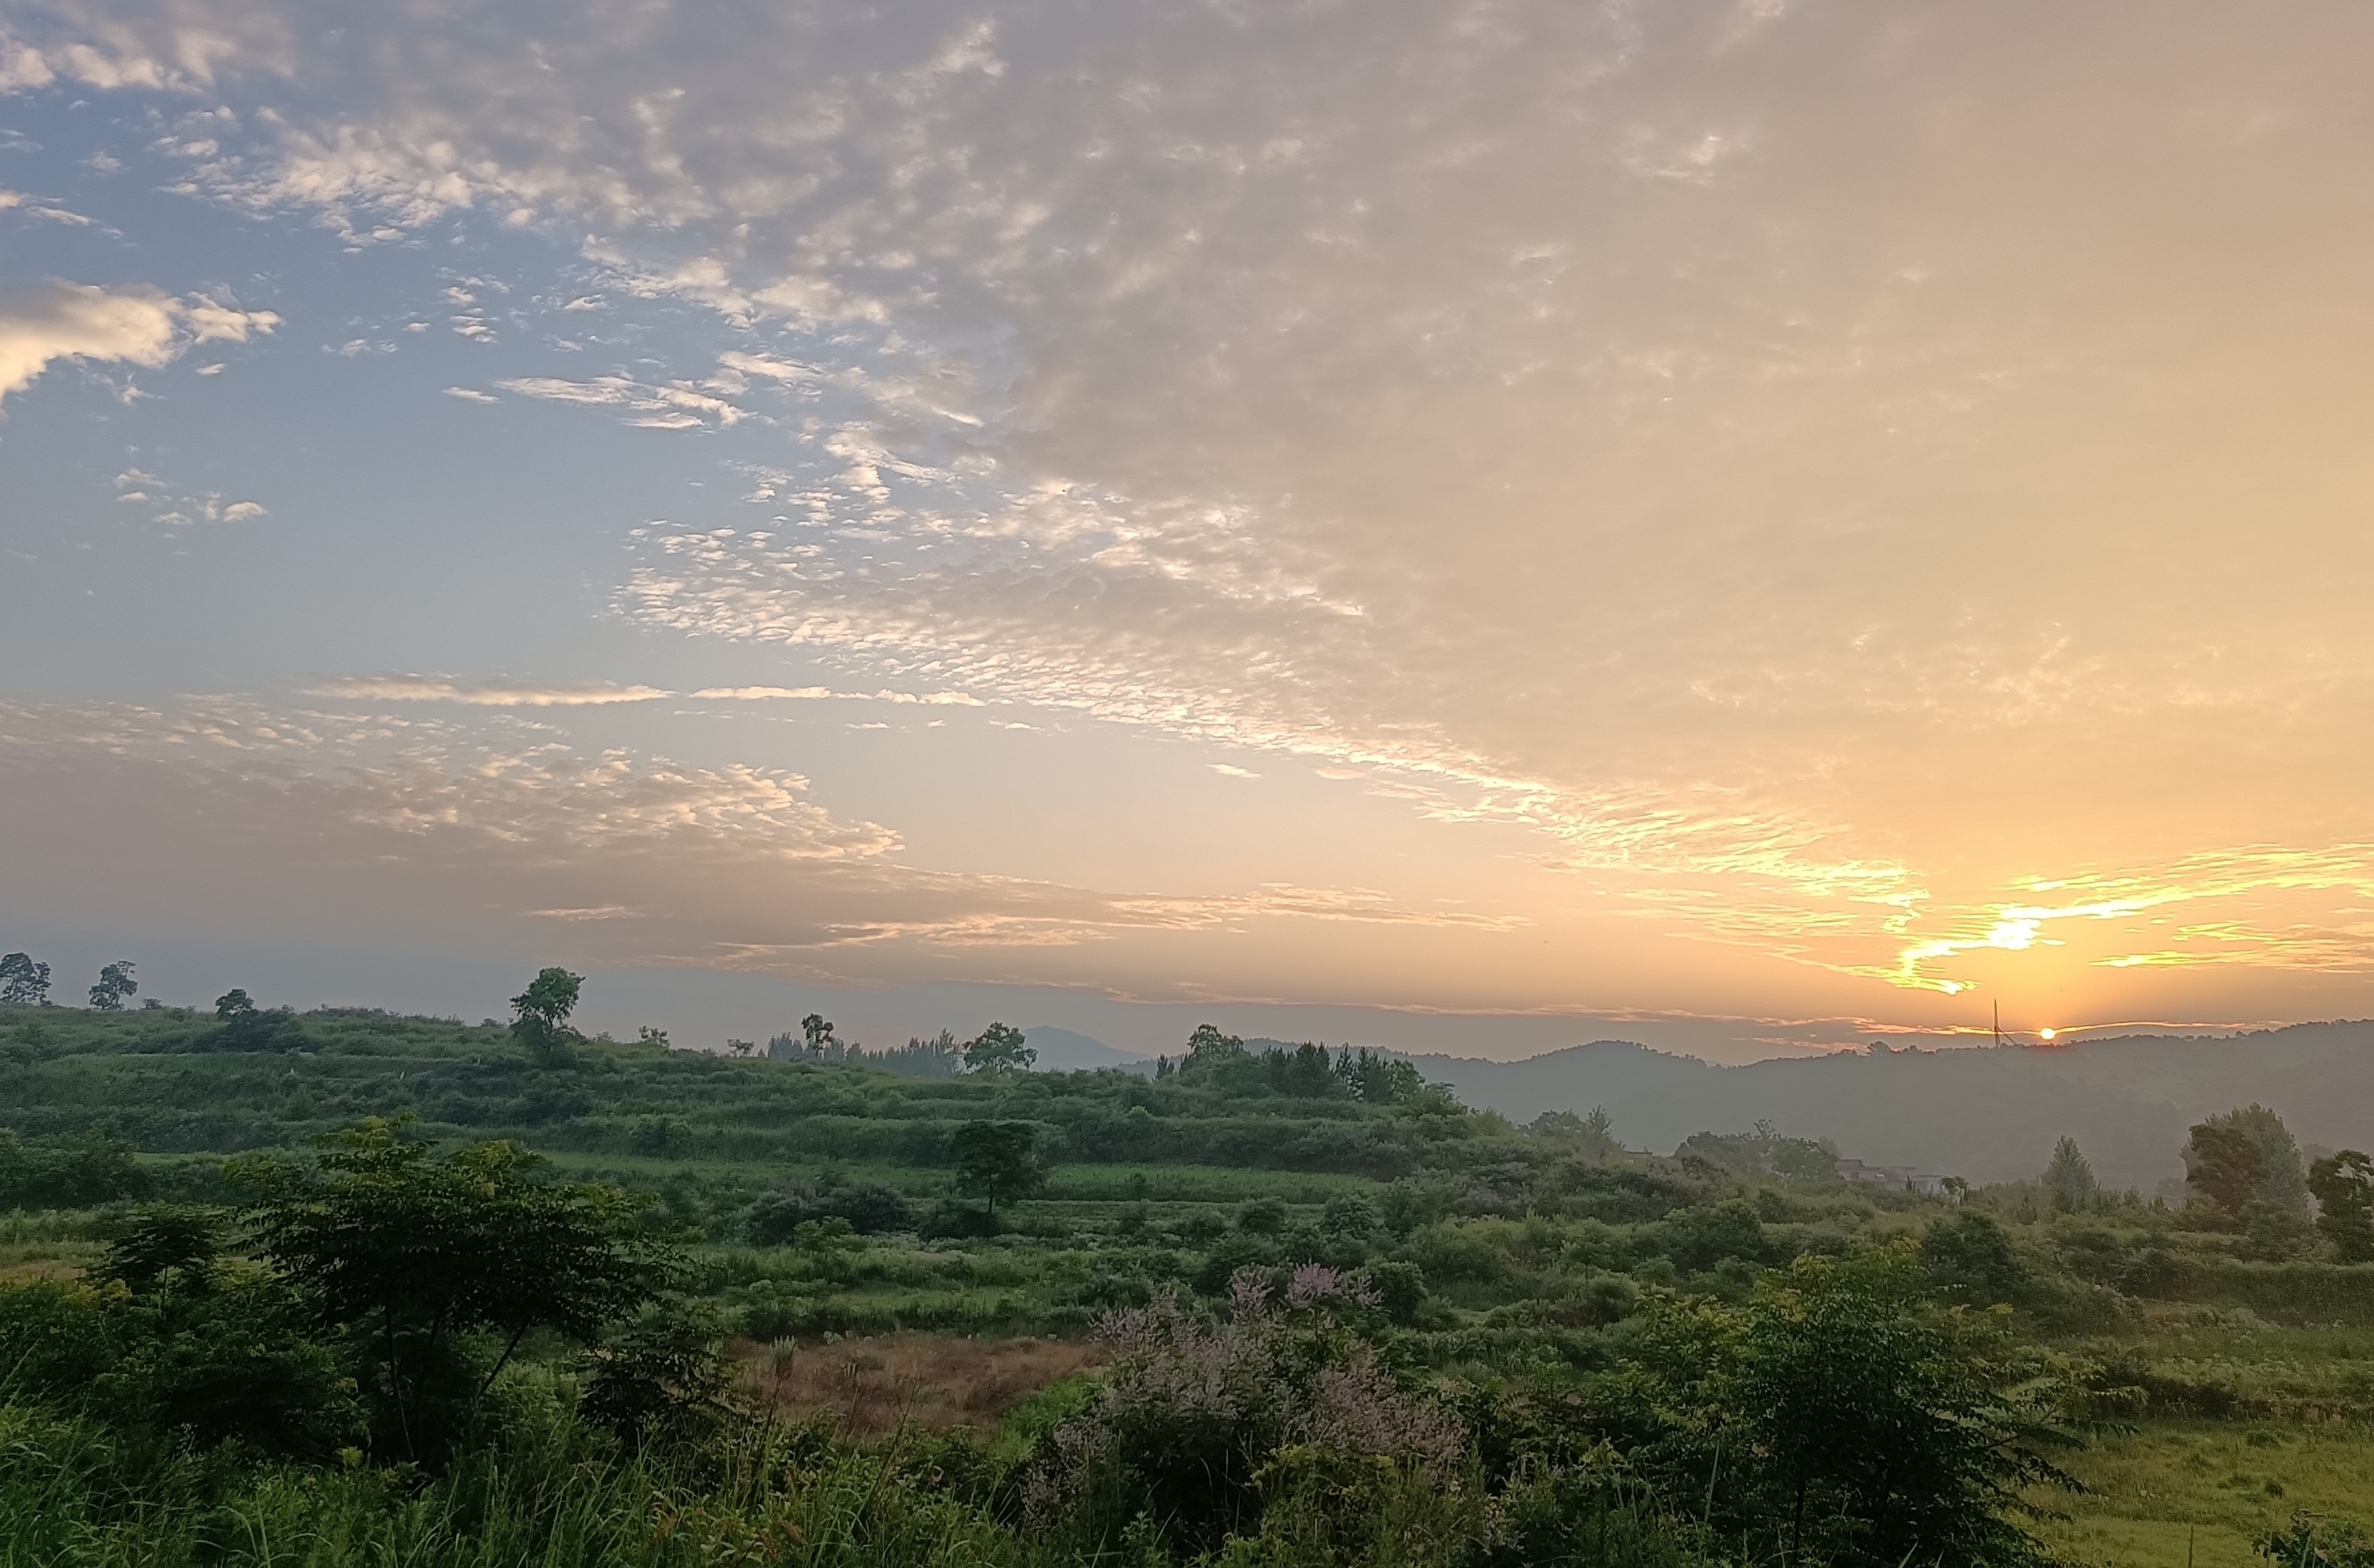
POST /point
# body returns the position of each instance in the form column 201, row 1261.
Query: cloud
column 483, row 694
column 1791, row 464
column 470, row 394
column 764, row 693
column 674, row 406
column 486, row 822
column 16, row 201
column 134, row 326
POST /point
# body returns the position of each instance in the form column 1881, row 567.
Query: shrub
column 1196, row 1415
column 871, row 1210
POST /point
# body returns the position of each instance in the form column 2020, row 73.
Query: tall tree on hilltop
column 540, row 1015
column 24, row 982
column 115, row 983
column 1000, row 1049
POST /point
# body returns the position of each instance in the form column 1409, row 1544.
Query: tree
column 1970, row 1259
column 1840, row 1419
column 999, row 1048
column 2068, row 1180
column 2344, row 1185
column 1208, row 1047
column 2282, row 1177
column 442, row 1266
column 1882, row 1419
column 233, row 1003
column 996, row 1159
column 816, row 1030
column 115, row 983
column 23, row 981
column 540, row 1015
column 2221, row 1166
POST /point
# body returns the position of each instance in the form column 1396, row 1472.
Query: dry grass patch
column 935, row 1381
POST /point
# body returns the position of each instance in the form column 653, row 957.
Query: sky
column 1474, row 526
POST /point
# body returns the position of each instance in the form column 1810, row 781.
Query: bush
column 1202, row 1426
column 871, row 1210
column 75, row 1171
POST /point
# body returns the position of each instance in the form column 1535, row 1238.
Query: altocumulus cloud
column 1690, row 433
column 492, row 819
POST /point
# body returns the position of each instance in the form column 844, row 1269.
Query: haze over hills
column 1984, row 1114
column 1067, row 1050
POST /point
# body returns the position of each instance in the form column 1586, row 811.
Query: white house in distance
column 1898, row 1178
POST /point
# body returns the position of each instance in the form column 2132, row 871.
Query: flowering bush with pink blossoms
column 1200, row 1420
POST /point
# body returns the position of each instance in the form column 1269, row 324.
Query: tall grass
column 550, row 1495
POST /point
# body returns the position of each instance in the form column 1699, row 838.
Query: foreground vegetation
column 284, row 1289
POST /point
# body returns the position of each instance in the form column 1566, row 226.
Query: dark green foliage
column 999, row 1048
column 416, row 1255
column 249, row 1029
column 870, row 1209
column 2274, row 1234
column 2245, row 1156
column 664, row 1378
column 540, row 1016
column 2343, row 1186
column 996, row 1159
column 24, row 981
column 67, row 1171
column 1699, row 1238
column 159, row 1239
column 1262, row 1217
column 2309, row 1541
column 1401, row 1290
column 184, row 1343
column 115, row 984
column 2222, row 1166
column 1969, row 1258
column 2068, row 1180
column 1860, row 1428
column 1761, row 1152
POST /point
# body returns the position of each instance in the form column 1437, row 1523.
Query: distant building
column 1897, row 1178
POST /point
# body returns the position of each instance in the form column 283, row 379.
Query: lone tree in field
column 2344, row 1185
column 2068, row 1180
column 540, row 1015
column 996, row 1159
column 1000, row 1049
column 23, row 981
column 115, row 983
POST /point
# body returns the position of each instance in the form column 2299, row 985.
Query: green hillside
column 956, row 1277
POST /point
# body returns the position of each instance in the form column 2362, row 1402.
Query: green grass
column 2207, row 1489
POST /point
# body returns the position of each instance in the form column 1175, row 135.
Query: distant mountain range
column 1986, row 1114
column 1063, row 1050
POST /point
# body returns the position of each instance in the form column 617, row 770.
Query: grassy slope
column 1150, row 1172
column 2173, row 1492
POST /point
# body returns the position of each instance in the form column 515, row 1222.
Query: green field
column 2208, row 1376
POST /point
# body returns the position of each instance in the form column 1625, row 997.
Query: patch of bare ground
column 935, row 1381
